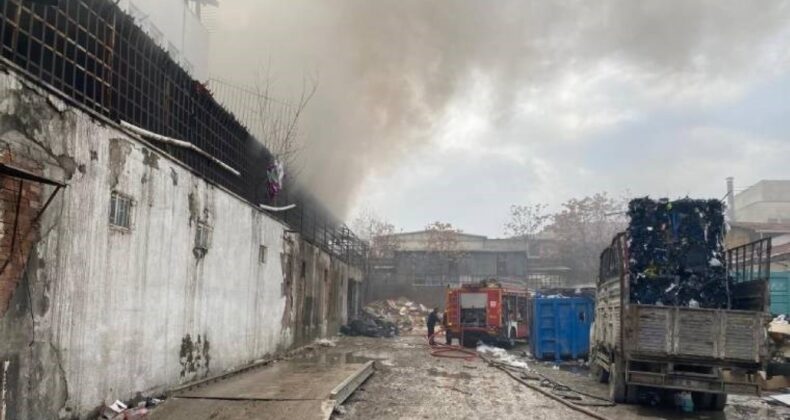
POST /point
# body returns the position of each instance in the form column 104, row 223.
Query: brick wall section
column 26, row 234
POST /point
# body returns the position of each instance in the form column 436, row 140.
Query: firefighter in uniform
column 433, row 319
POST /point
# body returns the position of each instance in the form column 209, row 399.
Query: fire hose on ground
column 459, row 352
column 448, row 350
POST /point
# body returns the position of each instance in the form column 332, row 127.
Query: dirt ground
column 411, row 384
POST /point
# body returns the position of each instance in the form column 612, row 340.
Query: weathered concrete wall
column 103, row 312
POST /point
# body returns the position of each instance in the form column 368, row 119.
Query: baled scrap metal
column 676, row 253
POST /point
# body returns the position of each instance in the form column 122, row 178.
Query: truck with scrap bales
column 675, row 311
column 487, row 311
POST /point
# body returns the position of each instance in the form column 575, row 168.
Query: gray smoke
column 388, row 69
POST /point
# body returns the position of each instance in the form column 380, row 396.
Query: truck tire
column 617, row 389
column 718, row 401
column 631, row 394
column 469, row 341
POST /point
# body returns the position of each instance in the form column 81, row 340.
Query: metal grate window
column 262, row 254
column 121, row 210
column 4, row 367
column 202, row 236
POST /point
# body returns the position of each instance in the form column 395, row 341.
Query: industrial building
column 140, row 249
column 418, row 265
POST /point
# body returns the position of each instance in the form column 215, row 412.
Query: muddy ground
column 411, row 384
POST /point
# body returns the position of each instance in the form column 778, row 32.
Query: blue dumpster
column 561, row 327
column 780, row 292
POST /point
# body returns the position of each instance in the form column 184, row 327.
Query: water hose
column 448, row 350
column 546, row 393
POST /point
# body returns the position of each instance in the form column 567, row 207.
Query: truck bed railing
column 749, row 268
column 750, row 262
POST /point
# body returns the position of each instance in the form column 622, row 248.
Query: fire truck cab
column 486, row 312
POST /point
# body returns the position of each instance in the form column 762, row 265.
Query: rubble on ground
column 387, row 318
column 120, row 411
column 779, row 331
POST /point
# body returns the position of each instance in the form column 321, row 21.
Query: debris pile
column 779, row 331
column 370, row 326
column 407, row 315
column 120, row 411
column 386, row 318
column 676, row 253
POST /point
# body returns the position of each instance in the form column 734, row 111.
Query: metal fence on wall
column 94, row 54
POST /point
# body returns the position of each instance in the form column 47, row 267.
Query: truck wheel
column 632, row 394
column 617, row 390
column 470, row 342
column 718, row 401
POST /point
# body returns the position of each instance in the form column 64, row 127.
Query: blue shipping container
column 561, row 327
column 780, row 292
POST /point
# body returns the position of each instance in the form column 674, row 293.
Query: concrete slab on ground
column 288, row 380
column 194, row 408
column 284, row 390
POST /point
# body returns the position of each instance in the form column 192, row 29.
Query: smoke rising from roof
column 389, row 69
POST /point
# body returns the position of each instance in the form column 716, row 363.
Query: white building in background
column 177, row 27
column 767, row 201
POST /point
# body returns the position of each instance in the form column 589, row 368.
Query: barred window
column 120, row 210
column 203, row 236
column 262, row 254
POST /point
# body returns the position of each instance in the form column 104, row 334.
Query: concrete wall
column 99, row 312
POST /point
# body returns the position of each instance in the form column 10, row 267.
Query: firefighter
column 433, row 319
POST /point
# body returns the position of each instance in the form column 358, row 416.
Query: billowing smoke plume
column 388, row 69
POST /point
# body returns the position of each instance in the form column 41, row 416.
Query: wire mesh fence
column 96, row 56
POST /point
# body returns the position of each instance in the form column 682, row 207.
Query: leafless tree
column 278, row 120
column 584, row 228
column 443, row 244
column 527, row 220
column 275, row 122
column 380, row 233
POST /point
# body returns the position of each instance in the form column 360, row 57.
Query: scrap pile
column 676, row 253
column 406, row 314
column 385, row 318
column 779, row 331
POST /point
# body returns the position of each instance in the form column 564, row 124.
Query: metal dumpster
column 561, row 327
column 780, row 292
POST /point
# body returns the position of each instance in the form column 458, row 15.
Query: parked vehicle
column 487, row 312
column 710, row 352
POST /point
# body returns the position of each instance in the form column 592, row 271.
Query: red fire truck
column 488, row 312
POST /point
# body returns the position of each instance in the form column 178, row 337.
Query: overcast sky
column 454, row 110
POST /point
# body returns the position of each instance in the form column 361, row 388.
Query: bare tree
column 443, row 245
column 584, row 228
column 527, row 220
column 275, row 122
column 278, row 120
column 380, row 233
column 442, row 238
